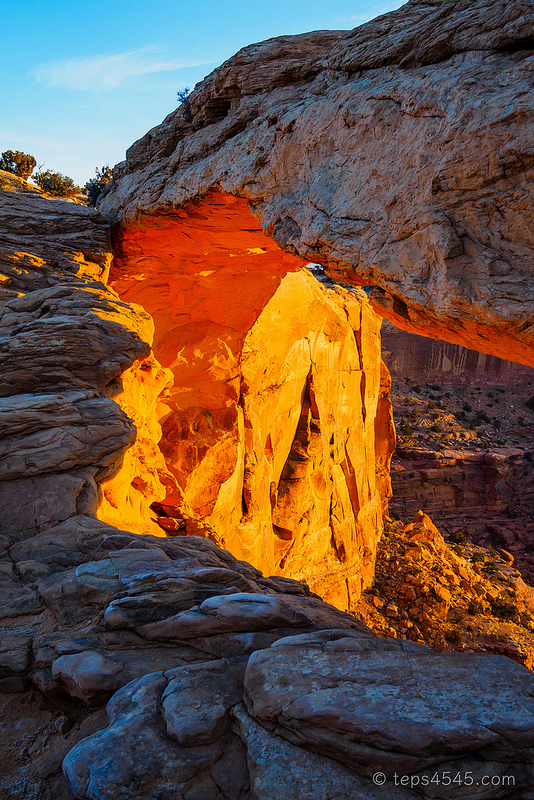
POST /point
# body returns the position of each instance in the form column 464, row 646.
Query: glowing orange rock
column 278, row 394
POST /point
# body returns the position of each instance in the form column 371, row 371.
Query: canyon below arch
column 197, row 430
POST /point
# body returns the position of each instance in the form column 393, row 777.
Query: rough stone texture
column 358, row 703
column 487, row 493
column 158, row 626
column 164, row 629
column 79, row 603
column 277, row 426
column 65, row 339
column 399, row 155
column 344, row 700
column 268, row 383
column 449, row 596
column 44, row 241
column 98, row 594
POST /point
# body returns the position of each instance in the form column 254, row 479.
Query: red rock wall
column 427, row 360
column 489, row 495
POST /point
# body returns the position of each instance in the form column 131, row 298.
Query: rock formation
column 275, row 434
column 224, row 684
column 216, row 385
column 277, row 398
column 399, row 155
column 464, row 455
column 451, row 595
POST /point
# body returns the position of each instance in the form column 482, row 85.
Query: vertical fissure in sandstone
column 263, row 413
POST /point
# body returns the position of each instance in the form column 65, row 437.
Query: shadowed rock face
column 399, row 155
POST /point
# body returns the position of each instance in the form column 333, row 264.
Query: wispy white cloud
column 104, row 72
column 359, row 19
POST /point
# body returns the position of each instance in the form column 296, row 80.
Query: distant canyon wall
column 425, row 360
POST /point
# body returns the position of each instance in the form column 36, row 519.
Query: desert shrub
column 405, row 427
column 496, row 423
column 18, row 163
column 453, row 636
column 481, row 416
column 530, row 403
column 505, row 609
column 56, row 184
column 417, row 389
column 435, row 428
column 183, row 98
column 435, row 387
column 460, row 416
column 95, row 186
column 478, row 558
column 467, row 407
column 473, row 607
column 458, row 537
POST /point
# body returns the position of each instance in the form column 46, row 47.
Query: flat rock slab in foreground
column 355, row 706
column 227, row 685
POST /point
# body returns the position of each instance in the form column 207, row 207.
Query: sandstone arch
column 399, row 155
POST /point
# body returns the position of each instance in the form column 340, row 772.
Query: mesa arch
column 267, row 393
column 399, row 155
column 398, row 170
column 407, row 171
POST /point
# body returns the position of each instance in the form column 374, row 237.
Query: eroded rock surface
column 226, row 684
column 399, row 155
column 66, row 339
column 214, row 377
column 277, row 426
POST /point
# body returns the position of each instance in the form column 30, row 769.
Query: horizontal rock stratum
column 399, row 155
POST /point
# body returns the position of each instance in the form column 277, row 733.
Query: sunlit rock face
column 276, row 398
column 399, row 155
column 65, row 340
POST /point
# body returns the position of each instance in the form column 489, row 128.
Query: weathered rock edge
column 399, row 155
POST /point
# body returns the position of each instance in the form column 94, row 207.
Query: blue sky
column 83, row 80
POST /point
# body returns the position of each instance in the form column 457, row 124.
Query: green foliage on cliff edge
column 18, row 163
column 95, row 186
column 56, row 184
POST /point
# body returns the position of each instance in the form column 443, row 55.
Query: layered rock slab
column 351, row 705
column 399, row 155
column 178, row 634
column 69, row 350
